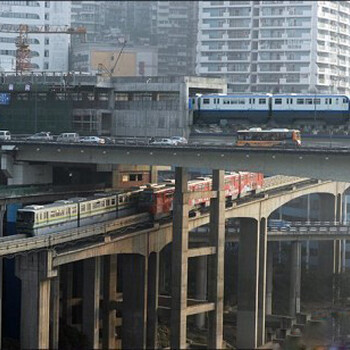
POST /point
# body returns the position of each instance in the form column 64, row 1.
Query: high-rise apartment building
column 175, row 35
column 49, row 52
column 276, row 46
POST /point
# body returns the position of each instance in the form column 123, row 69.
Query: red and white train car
column 158, row 199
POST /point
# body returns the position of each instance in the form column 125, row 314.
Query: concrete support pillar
column 262, row 281
column 135, row 271
column 179, row 261
column 216, row 261
column 250, row 318
column 91, row 301
column 308, row 214
column 2, row 213
column 152, row 309
column 67, row 293
column 269, row 279
column 55, row 312
column 201, row 286
column 35, row 299
column 109, row 319
column 295, row 279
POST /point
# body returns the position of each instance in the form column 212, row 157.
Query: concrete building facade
column 132, row 61
column 276, row 46
column 49, row 52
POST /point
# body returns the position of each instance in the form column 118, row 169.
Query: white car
column 92, row 139
column 179, row 140
column 163, row 142
column 40, row 136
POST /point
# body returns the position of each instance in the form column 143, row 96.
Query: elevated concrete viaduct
column 140, row 252
column 331, row 164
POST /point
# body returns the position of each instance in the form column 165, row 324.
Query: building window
column 47, row 41
column 46, row 53
column 135, row 177
column 47, row 16
column 46, row 65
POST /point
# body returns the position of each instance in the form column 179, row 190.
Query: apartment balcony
column 327, row 15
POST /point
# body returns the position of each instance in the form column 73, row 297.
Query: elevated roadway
column 323, row 163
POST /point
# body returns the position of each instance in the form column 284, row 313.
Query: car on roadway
column 162, row 142
column 5, row 135
column 41, row 136
column 92, row 139
column 278, row 224
column 179, row 140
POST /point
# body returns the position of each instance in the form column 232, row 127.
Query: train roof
column 233, row 95
column 309, row 95
column 268, row 130
column 58, row 204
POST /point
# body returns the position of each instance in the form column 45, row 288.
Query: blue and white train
column 261, row 108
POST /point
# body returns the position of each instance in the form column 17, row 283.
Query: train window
column 308, row 101
column 278, row 101
column 328, row 101
column 46, row 215
column 120, row 199
column 241, row 102
column 300, row 101
column 83, row 207
column 262, row 101
column 317, row 101
column 345, row 100
column 206, row 101
column 108, row 202
column 252, row 100
column 337, row 101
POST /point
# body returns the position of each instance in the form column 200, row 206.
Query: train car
column 158, row 199
column 289, row 108
column 212, row 108
column 43, row 219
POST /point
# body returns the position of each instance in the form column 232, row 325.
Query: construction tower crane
column 102, row 68
column 22, row 43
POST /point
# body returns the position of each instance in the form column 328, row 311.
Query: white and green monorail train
column 75, row 212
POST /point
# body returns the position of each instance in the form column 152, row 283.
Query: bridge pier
column 251, row 284
column 135, row 272
column 67, row 293
column 180, row 254
column 201, row 286
column 2, row 214
column 109, row 320
column 152, row 298
column 330, row 252
column 269, row 278
column 35, row 274
column 91, row 301
column 295, row 279
column 54, row 312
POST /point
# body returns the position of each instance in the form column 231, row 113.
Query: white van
column 68, row 137
column 5, row 135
